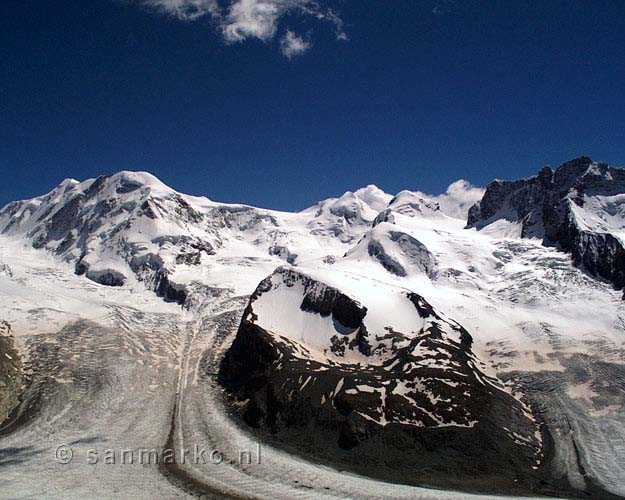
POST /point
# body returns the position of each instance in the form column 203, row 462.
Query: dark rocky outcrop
column 378, row 252
column 283, row 252
column 330, row 301
column 169, row 291
column 107, row 277
column 415, row 251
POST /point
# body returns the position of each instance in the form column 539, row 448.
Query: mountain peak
column 123, row 182
column 577, row 207
column 355, row 207
column 140, row 177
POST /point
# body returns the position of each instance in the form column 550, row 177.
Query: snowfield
column 123, row 296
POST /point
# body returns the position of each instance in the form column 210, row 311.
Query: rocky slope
column 11, row 374
column 580, row 207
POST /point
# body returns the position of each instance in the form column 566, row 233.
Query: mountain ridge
column 556, row 205
column 370, row 290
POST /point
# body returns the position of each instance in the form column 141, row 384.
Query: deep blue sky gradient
column 413, row 100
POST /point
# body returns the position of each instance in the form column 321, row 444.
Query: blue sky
column 280, row 103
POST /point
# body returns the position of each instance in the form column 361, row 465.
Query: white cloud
column 293, row 45
column 252, row 19
column 186, row 10
column 239, row 20
column 458, row 198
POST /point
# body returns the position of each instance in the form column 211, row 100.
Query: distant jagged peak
column 571, row 174
column 578, row 207
column 518, row 197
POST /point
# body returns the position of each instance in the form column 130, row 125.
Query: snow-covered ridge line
column 131, row 226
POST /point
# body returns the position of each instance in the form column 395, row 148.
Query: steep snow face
column 601, row 214
column 578, row 207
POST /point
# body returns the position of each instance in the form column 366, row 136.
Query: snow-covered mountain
column 580, row 207
column 131, row 226
column 365, row 327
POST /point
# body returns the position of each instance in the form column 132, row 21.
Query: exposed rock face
column 580, row 207
column 376, row 249
column 170, row 291
column 415, row 251
column 10, row 373
column 108, row 277
column 408, row 399
column 283, row 252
